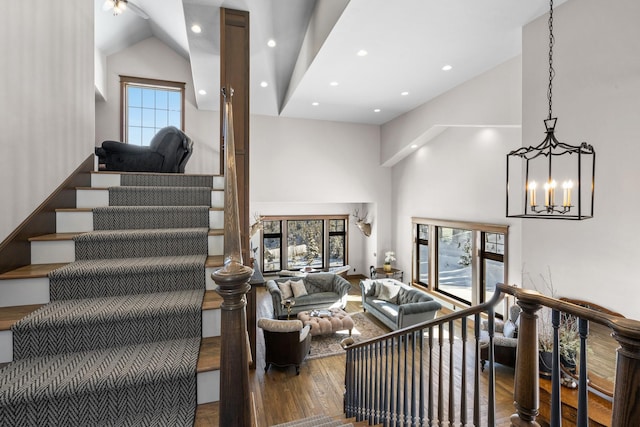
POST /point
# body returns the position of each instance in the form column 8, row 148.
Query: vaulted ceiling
column 318, row 68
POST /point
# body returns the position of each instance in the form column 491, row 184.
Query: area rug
column 329, row 345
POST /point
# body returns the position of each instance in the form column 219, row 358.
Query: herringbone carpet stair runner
column 118, row 343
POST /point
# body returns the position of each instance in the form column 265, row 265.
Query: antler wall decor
column 361, row 222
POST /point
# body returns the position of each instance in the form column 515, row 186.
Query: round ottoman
column 338, row 320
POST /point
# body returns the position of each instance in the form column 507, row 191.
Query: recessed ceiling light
column 377, row 110
column 447, row 67
column 404, row 93
column 333, row 84
column 271, row 43
column 362, row 52
column 196, row 28
column 414, row 146
column 315, row 104
column 264, row 84
column 202, row 92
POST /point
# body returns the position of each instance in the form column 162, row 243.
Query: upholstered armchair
column 505, row 339
column 167, row 152
column 286, row 342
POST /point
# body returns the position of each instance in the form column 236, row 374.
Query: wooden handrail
column 625, row 412
column 384, row 376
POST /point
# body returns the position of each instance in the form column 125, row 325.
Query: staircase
column 116, row 322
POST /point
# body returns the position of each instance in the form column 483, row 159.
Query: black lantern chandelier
column 553, row 180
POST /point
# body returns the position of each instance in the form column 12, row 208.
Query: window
column 422, row 252
column 318, row 242
column 463, row 261
column 148, row 106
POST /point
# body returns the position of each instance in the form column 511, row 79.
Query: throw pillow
column 298, row 289
column 509, row 330
column 285, row 289
column 389, row 293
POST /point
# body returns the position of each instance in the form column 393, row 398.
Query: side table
column 393, row 274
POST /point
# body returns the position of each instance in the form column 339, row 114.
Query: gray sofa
column 396, row 304
column 324, row 290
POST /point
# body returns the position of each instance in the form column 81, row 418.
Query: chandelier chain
column 552, row 72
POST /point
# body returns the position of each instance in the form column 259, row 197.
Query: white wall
column 46, row 101
column 152, row 59
column 457, row 176
column 296, row 166
column 458, row 173
column 319, row 167
column 596, row 97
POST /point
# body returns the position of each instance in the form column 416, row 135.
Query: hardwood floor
column 281, row 396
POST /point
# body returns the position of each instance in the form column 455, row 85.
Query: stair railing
column 420, row 375
column 233, row 284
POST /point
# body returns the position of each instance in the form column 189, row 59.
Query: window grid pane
column 454, row 263
column 304, row 244
column 150, row 109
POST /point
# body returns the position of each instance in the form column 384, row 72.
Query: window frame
column 326, row 235
column 126, row 81
column 478, row 255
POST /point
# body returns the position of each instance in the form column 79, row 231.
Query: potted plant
column 388, row 258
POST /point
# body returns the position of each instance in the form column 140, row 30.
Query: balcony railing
column 429, row 374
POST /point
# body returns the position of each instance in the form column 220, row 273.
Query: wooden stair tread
column 31, row 271
column 211, row 300
column 59, row 237
column 207, row 415
column 214, row 261
column 209, row 357
column 10, row 315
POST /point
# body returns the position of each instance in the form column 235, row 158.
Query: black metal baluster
column 405, row 408
column 556, row 418
column 347, row 384
column 392, row 400
column 421, row 410
column 440, row 382
column 463, row 367
column 583, row 408
column 414, row 414
column 430, row 381
column 452, row 409
column 476, row 375
column 385, row 404
column 491, row 407
column 369, row 384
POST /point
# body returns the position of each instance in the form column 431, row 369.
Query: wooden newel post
column 526, row 391
column 233, row 284
column 235, row 406
column 626, row 411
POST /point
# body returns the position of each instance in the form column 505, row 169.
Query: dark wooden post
column 233, row 284
column 626, row 411
column 526, row 387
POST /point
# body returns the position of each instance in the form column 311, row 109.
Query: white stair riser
column 208, row 386
column 36, row 291
column 210, row 328
column 6, row 346
column 106, row 180
column 24, row 291
column 54, row 251
column 81, row 222
column 210, row 284
column 86, row 198
column 218, row 182
column 216, row 245
column 211, row 323
column 74, row 222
